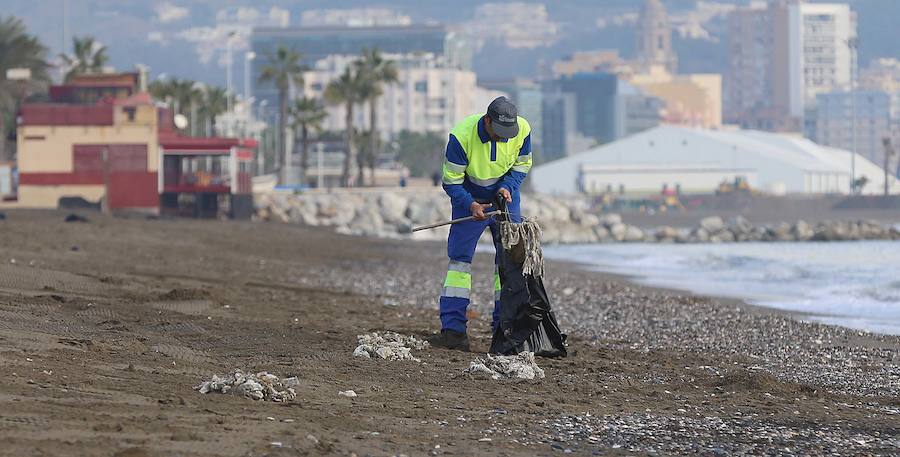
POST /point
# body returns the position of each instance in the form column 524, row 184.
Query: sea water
column 852, row 284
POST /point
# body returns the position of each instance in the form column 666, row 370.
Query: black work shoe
column 450, row 339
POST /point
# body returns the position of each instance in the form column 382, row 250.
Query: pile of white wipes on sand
column 388, row 346
column 521, row 366
column 259, row 386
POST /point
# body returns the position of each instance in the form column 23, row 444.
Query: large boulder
column 601, row 233
column 586, row 219
column 336, row 210
column 574, row 233
column 739, row 225
column 894, row 233
column 725, row 236
column 666, row 233
column 802, row 231
column 609, row 220
column 872, row 230
column 558, row 212
column 830, row 231
column 700, row 235
column 550, row 234
column 618, row 231
column 303, row 214
column 367, row 221
column 633, row 234
column 426, row 211
column 393, row 207
column 712, row 224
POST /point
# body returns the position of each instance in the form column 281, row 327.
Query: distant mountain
column 185, row 38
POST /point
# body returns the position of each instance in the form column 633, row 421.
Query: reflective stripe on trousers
column 458, row 283
column 497, row 283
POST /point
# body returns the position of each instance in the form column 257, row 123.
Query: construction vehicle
column 740, row 185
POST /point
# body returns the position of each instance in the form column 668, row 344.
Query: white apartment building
column 820, row 54
column 428, row 96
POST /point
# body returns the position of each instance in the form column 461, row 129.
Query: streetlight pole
column 228, row 81
column 320, row 153
column 264, row 147
column 248, row 57
column 853, row 43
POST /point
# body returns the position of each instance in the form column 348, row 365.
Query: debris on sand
column 347, row 393
column 388, row 346
column 186, row 294
column 521, row 366
column 75, row 218
column 259, row 386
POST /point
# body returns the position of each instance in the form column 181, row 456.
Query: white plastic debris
column 259, row 386
column 520, row 366
column 347, row 393
column 388, row 346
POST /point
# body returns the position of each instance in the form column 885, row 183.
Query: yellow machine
column 739, row 185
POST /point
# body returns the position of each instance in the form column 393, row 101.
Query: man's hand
column 478, row 210
column 504, row 192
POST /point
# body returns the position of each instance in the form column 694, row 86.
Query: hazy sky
column 185, row 37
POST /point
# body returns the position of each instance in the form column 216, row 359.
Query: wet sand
column 106, row 326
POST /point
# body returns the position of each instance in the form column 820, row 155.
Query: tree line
column 361, row 83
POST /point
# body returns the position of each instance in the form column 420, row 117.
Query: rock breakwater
column 392, row 214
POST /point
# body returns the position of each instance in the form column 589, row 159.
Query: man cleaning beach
column 487, row 154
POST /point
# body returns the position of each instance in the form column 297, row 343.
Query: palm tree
column 377, row 71
column 89, row 56
column 214, row 102
column 18, row 49
column 283, row 69
column 349, row 90
column 308, row 114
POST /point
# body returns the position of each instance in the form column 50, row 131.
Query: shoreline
column 109, row 324
column 763, row 302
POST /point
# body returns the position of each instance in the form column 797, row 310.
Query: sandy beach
column 107, row 325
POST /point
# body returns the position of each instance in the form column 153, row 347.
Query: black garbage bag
column 527, row 322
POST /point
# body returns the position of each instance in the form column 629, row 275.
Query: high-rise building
column 748, row 83
column 654, row 37
column 605, row 109
column 558, row 125
column 822, row 59
column 783, row 56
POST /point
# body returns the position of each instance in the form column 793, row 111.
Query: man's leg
column 458, row 283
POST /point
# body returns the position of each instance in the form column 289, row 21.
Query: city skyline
column 791, row 64
column 186, row 38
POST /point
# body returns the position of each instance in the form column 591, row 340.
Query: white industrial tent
column 697, row 160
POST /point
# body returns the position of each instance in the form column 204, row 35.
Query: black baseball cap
column 504, row 117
